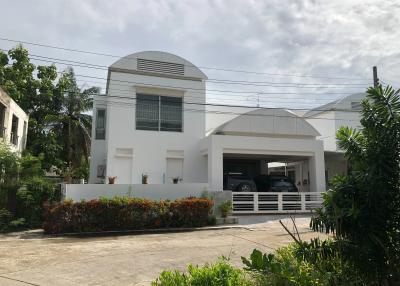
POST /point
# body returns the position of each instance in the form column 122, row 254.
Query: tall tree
column 59, row 120
column 34, row 90
column 73, row 123
column 363, row 208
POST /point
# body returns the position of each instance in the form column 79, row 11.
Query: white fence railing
column 274, row 202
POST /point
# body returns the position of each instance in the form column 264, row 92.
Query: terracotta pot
column 111, row 180
column 67, row 179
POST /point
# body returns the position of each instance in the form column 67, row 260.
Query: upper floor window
column 14, row 130
column 158, row 113
column 101, row 124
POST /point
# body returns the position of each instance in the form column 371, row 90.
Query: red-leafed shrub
column 125, row 214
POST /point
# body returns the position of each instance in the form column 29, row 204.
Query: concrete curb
column 144, row 231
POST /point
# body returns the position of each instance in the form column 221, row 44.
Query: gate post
column 255, row 202
column 280, row 203
column 303, row 202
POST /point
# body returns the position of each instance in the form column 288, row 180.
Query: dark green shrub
column 362, row 210
column 5, row 219
column 217, row 274
column 191, row 212
column 124, row 214
column 308, row 263
column 31, row 198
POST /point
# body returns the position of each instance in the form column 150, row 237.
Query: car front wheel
column 244, row 187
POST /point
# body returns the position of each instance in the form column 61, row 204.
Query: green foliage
column 17, row 223
column 314, row 263
column 33, row 89
column 123, row 213
column 9, row 165
column 225, row 208
column 22, row 178
column 5, row 219
column 59, row 126
column 72, row 124
column 31, row 197
column 82, row 171
column 217, row 274
column 363, row 208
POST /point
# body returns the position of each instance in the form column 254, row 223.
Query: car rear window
column 281, row 183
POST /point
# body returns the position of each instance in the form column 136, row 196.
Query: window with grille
column 101, row 124
column 158, row 113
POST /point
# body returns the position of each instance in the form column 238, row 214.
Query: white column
column 215, row 165
column 316, row 165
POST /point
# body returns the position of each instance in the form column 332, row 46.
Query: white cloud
column 338, row 38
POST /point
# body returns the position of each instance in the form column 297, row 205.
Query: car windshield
column 281, row 183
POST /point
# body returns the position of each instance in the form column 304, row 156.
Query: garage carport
column 267, row 134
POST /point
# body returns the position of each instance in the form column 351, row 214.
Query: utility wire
column 260, row 92
column 128, row 92
column 214, row 104
column 202, row 67
column 215, row 80
column 220, row 112
column 266, row 99
column 216, row 90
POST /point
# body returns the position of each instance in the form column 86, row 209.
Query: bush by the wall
column 5, row 219
column 218, row 274
column 31, row 197
column 125, row 214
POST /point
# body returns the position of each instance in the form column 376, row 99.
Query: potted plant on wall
column 67, row 175
column 225, row 208
column 176, row 180
column 111, row 180
column 145, row 178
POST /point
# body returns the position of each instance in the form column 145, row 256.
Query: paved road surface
column 30, row 258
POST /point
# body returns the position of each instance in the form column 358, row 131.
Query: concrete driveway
column 30, row 258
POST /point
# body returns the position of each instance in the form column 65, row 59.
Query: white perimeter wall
column 157, row 192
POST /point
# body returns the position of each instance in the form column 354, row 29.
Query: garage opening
column 265, row 173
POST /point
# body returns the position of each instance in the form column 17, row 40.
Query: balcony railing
column 14, row 138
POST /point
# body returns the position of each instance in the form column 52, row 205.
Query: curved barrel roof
column 267, row 122
column 156, row 62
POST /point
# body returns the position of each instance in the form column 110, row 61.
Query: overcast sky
column 323, row 39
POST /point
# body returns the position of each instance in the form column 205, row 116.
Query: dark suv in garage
column 267, row 183
column 239, row 182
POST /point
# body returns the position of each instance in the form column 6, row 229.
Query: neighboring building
column 13, row 123
column 327, row 119
column 153, row 122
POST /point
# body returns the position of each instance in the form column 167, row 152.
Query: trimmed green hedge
column 125, row 214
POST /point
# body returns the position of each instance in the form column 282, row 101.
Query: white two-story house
column 13, row 123
column 153, row 122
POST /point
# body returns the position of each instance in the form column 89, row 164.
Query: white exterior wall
column 131, row 153
column 349, row 119
column 335, row 166
column 153, row 191
column 98, row 151
column 12, row 108
column 329, row 122
column 325, row 124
